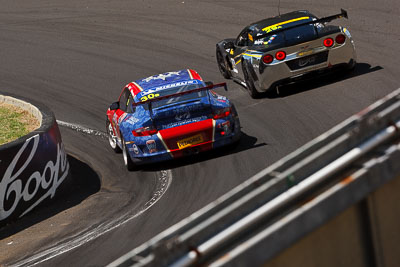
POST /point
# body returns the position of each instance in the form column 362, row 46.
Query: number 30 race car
column 170, row 115
column 285, row 48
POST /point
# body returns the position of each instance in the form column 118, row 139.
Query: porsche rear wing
column 342, row 14
column 206, row 88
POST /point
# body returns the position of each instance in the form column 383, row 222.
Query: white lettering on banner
column 49, row 179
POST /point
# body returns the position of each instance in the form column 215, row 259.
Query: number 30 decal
column 148, row 97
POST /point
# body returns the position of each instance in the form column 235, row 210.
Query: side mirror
column 114, row 106
column 229, row 45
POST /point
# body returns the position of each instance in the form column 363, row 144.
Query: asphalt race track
column 75, row 57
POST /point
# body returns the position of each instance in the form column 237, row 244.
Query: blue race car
column 170, row 115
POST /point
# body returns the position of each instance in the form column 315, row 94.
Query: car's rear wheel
column 351, row 66
column 112, row 138
column 223, row 65
column 250, row 83
column 127, row 157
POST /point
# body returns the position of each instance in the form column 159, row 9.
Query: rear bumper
column 163, row 152
column 195, row 149
column 280, row 72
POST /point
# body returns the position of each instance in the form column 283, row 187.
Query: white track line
column 84, row 237
column 82, row 129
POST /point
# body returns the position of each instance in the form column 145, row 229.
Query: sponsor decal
column 148, row 97
column 272, row 28
column 135, row 149
column 305, row 53
column 347, row 32
column 151, row 146
column 182, row 116
column 179, row 123
column 171, row 85
column 132, row 120
column 306, row 61
column 190, row 141
column 163, row 76
column 13, row 190
column 219, row 98
column 145, row 95
column 270, row 39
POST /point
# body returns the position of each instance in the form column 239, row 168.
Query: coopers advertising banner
column 31, row 170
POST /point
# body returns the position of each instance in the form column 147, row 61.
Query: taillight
column 280, row 55
column 267, row 58
column 328, row 42
column 340, row 39
column 221, row 113
column 144, row 131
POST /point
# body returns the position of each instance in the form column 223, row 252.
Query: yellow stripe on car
column 278, row 25
column 250, row 55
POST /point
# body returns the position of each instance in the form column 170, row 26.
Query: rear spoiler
column 208, row 87
column 342, row 14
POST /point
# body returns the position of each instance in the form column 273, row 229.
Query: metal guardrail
column 275, row 200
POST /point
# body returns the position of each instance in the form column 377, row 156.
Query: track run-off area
column 75, row 57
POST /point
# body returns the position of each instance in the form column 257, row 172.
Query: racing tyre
column 112, row 138
column 223, row 65
column 351, row 66
column 250, row 84
column 127, row 158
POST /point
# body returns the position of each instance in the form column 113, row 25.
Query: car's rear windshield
column 281, row 36
column 171, row 89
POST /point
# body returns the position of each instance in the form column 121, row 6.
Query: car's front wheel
column 112, row 138
column 127, row 157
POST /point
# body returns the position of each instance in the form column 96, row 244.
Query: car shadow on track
column 322, row 80
column 81, row 183
column 246, row 142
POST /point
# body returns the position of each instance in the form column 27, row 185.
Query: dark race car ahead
column 170, row 115
column 283, row 49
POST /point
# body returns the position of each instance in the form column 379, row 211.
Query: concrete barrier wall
column 31, row 167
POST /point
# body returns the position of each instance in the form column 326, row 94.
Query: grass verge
column 15, row 122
